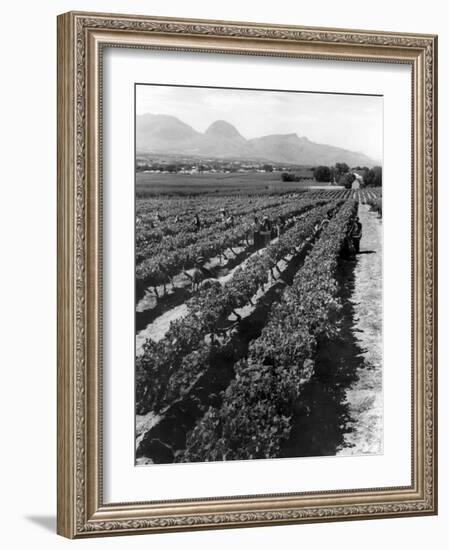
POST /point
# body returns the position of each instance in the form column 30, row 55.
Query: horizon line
column 377, row 161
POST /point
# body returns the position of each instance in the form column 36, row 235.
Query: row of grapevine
column 371, row 196
column 171, row 361
column 208, row 209
column 209, row 214
column 374, row 199
column 335, row 194
column 376, row 205
column 160, row 268
column 182, row 235
column 255, row 416
column 170, row 210
column 171, row 207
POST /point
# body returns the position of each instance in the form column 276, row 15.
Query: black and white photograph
column 258, row 274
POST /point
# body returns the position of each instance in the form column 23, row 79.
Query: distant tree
column 322, row 173
column 287, row 176
column 346, row 180
column 340, row 169
column 267, row 167
column 373, row 177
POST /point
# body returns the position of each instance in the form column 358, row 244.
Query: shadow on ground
column 46, row 522
column 321, row 418
column 180, row 294
column 165, row 440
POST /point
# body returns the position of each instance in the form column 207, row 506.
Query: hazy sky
column 349, row 121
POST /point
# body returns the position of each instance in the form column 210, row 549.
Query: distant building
column 358, row 182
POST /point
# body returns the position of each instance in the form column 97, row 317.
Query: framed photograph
column 246, row 274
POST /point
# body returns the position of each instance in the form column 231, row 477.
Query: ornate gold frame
column 81, row 37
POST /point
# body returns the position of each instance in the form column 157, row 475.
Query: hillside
column 164, row 134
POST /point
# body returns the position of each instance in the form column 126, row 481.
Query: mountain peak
column 163, row 127
column 223, row 129
column 166, row 134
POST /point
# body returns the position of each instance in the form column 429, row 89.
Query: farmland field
column 152, row 184
column 252, row 342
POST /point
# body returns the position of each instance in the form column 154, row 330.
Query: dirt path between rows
column 160, row 326
column 364, row 398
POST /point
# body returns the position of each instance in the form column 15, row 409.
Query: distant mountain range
column 164, row 134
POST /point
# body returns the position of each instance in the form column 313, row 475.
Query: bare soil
column 365, row 396
column 340, row 410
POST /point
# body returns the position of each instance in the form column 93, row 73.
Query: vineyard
column 232, row 333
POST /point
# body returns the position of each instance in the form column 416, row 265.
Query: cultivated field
column 153, row 184
column 249, row 350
